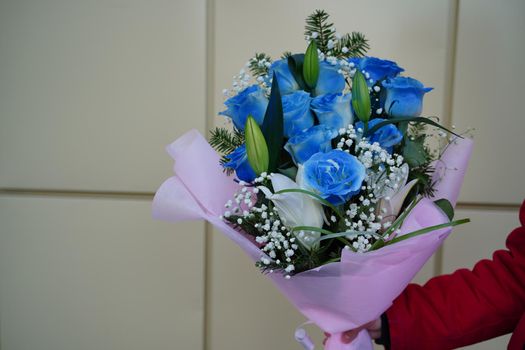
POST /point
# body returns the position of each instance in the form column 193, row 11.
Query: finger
column 375, row 334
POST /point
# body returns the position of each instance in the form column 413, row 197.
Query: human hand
column 373, row 328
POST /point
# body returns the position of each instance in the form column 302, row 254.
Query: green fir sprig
column 225, row 141
column 351, row 45
column 259, row 64
column 318, row 28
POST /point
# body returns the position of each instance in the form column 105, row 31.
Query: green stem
column 428, row 229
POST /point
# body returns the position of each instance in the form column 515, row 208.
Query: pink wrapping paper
column 337, row 296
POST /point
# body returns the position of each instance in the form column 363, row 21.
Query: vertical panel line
column 209, row 122
column 448, row 99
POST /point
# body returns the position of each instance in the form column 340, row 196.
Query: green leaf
column 428, row 229
column 290, row 172
column 414, row 153
column 295, row 65
column 322, row 231
column 311, row 65
column 446, row 206
column 312, row 228
column 312, row 194
column 408, row 119
column 273, row 126
column 361, row 98
column 256, row 147
column 399, row 221
column 380, row 243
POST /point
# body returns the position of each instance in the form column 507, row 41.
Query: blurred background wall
column 90, row 93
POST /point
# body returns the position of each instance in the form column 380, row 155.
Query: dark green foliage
column 355, row 42
column 309, row 259
column 295, row 64
column 419, row 158
column 273, row 126
column 425, row 185
column 225, row 141
column 257, row 66
column 305, row 259
column 318, row 23
column 446, row 206
column 414, row 153
column 285, row 55
column 424, row 120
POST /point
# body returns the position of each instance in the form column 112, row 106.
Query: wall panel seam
column 34, row 192
column 450, row 70
column 209, row 123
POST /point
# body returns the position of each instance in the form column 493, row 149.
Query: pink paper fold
column 338, row 296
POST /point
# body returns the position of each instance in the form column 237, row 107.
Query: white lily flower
column 389, row 207
column 294, row 208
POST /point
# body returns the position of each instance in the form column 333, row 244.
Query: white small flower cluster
column 263, row 81
column 240, row 82
column 362, row 215
column 278, row 241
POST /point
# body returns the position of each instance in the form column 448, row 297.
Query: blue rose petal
column 333, row 110
column 316, row 139
column 250, row 101
column 296, row 113
column 330, row 81
column 404, row 97
column 287, row 83
column 335, row 175
column 376, row 68
column 238, row 161
column 387, row 136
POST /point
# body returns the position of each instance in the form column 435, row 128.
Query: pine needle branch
column 318, row 23
column 259, row 64
column 286, row 54
column 225, row 142
column 351, row 45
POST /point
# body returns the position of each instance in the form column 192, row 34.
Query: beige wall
column 90, row 93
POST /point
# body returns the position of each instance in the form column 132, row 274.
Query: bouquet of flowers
column 326, row 178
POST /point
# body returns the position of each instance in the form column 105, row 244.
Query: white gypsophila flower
column 295, row 209
column 389, row 185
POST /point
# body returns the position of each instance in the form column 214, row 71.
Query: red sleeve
column 465, row 307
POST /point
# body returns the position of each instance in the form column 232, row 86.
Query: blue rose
column 296, row 112
column 316, row 139
column 287, row 83
column 336, row 175
column 387, row 136
column 404, row 97
column 250, row 101
column 376, row 68
column 330, row 81
column 333, row 110
column 238, row 161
